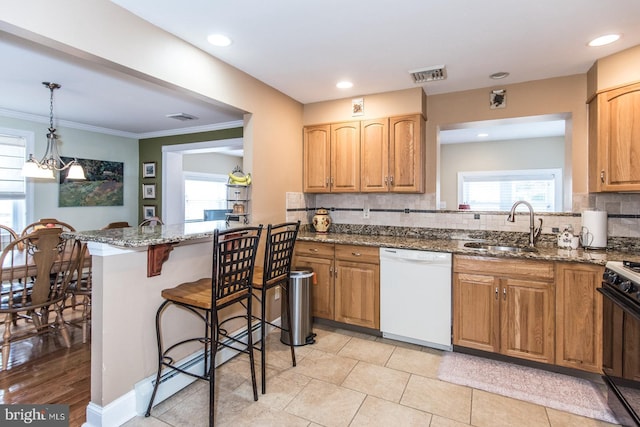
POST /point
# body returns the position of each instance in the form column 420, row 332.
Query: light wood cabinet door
column 614, row 132
column 345, row 157
column 527, row 319
column 504, row 306
column 318, row 257
column 406, row 154
column 358, row 293
column 476, row 312
column 374, row 156
column 579, row 316
column 358, row 285
column 316, row 159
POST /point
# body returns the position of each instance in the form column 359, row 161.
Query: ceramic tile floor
column 349, row 379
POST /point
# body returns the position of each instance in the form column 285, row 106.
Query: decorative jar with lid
column 321, row 220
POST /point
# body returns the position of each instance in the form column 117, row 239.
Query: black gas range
column 621, row 339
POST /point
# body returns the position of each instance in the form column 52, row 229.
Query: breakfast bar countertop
column 545, row 251
column 138, row 237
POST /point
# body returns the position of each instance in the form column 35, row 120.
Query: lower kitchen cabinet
column 347, row 283
column 318, row 257
column 504, row 306
column 579, row 316
column 357, row 285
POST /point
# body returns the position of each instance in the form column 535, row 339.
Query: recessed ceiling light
column 499, row 75
column 219, row 40
column 604, row 40
column 483, row 135
column 344, row 85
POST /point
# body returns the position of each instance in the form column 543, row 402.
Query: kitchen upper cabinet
column 614, row 140
column 347, row 283
column 332, row 158
column 374, row 156
column 406, row 154
column 381, row 155
column 579, row 316
column 317, row 158
column 345, row 157
column 504, row 306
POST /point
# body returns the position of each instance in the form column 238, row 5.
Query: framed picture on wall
column 149, row 169
column 148, row 191
column 148, row 211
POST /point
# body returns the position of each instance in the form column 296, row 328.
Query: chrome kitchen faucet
column 534, row 232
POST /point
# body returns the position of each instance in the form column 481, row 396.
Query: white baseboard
column 135, row 402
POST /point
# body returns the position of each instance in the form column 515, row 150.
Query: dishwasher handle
column 415, row 256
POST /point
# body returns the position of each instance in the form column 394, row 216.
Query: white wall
column 86, row 145
column 210, row 163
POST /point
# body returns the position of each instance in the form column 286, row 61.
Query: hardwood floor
column 42, row 370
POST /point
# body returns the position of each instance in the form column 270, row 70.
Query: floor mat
column 563, row 392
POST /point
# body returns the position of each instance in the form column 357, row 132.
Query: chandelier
column 51, row 160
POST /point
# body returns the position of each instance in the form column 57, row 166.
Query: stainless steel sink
column 483, row 246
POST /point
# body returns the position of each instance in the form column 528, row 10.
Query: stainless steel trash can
column 300, row 303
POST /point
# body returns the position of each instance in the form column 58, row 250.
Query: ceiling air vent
column 436, row 72
column 183, row 117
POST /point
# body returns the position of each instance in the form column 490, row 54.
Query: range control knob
column 627, row 286
column 610, row 277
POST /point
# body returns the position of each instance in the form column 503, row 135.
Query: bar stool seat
column 234, row 253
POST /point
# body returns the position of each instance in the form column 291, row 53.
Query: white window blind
column 498, row 190
column 13, row 189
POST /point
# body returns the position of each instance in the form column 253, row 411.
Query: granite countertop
column 548, row 252
column 135, row 237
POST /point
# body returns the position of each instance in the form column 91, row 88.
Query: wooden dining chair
column 278, row 253
column 79, row 291
column 7, row 235
column 234, row 253
column 35, row 281
column 46, row 223
column 118, row 224
column 151, row 221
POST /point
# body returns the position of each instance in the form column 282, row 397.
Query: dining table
column 19, row 263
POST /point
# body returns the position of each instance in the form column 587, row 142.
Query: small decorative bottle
column 321, row 220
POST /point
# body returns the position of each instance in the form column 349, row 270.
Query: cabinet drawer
column 369, row 254
column 503, row 266
column 324, row 250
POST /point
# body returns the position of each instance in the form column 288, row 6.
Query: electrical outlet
column 366, row 213
column 276, row 293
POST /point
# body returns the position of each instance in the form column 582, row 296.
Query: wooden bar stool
column 234, row 253
column 281, row 239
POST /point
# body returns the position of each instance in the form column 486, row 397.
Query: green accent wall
column 150, row 150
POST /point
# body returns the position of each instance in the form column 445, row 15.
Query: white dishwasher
column 415, row 297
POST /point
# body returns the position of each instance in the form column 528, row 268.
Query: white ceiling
column 303, row 48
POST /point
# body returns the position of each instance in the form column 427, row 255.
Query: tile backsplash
column 417, row 211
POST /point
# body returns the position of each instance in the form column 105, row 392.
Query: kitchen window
column 203, row 192
column 498, row 190
column 16, row 192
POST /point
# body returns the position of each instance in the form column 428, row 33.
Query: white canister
column 593, row 234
